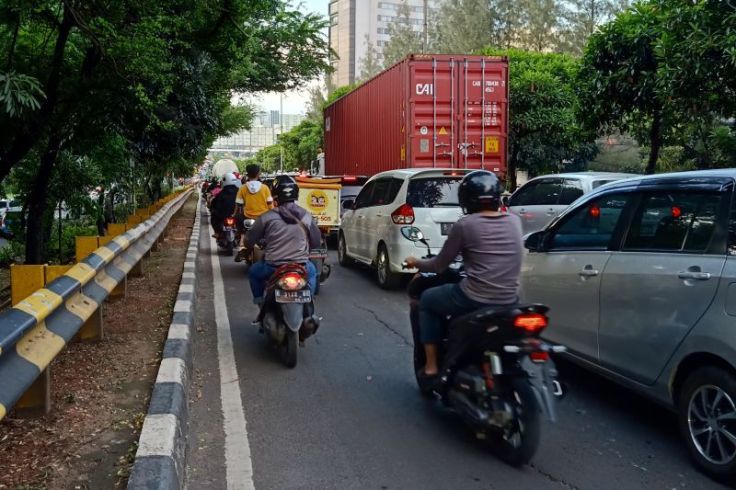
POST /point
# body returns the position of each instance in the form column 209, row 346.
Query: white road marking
column 238, row 463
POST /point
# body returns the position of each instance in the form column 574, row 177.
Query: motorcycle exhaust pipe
column 468, row 409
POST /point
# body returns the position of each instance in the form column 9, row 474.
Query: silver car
column 640, row 278
column 542, row 199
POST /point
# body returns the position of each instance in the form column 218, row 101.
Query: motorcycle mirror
column 413, row 234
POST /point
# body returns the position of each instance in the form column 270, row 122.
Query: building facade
column 267, row 126
column 354, row 21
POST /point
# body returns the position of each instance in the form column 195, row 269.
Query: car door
column 356, row 231
column 566, row 275
column 536, row 203
column 662, row 281
column 379, row 212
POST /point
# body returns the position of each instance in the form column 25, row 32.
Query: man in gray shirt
column 289, row 232
column 490, row 243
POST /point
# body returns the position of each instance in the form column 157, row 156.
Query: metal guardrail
column 34, row 331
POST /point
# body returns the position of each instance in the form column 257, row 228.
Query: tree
column 544, row 133
column 582, row 18
column 541, row 20
column 621, row 88
column 370, row 64
column 404, row 38
column 463, row 26
column 697, row 53
column 155, row 75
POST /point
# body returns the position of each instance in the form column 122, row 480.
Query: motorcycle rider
column 491, row 246
column 223, row 204
column 253, row 200
column 289, row 232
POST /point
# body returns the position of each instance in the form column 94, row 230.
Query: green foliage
column 544, row 132
column 19, row 93
column 12, row 253
column 340, row 92
column 370, row 64
column 69, row 230
column 126, row 95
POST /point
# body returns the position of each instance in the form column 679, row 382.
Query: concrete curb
column 161, row 457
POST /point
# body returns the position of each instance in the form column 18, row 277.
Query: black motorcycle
column 287, row 313
column 227, row 238
column 495, row 371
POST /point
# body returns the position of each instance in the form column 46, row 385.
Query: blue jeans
column 436, row 304
column 260, row 272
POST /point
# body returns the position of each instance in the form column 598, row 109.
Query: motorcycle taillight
column 292, row 282
column 531, row 322
column 230, row 221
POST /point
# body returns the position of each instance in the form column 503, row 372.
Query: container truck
column 426, row 111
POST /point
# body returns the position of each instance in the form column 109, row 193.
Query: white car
column 542, row 199
column 389, row 201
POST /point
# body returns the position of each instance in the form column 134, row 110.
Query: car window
column 432, row 192
column 364, row 197
column 597, row 183
column 538, row 193
column 571, row 191
column 591, row 226
column 674, row 222
column 385, row 191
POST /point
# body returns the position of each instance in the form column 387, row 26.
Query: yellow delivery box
column 321, row 197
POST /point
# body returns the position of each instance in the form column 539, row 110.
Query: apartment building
column 352, row 20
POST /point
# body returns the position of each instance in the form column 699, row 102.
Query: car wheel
column 386, row 278
column 342, row 252
column 707, row 416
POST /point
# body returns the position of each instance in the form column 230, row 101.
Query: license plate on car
column 445, row 228
column 301, row 296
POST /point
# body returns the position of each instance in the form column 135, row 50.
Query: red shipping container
column 426, row 111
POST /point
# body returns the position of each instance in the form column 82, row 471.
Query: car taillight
column 404, row 215
column 292, row 282
column 531, row 322
column 230, row 221
column 539, row 356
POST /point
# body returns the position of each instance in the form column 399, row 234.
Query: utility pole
column 425, row 44
column 281, row 131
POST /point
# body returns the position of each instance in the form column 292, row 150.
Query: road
column 349, row 415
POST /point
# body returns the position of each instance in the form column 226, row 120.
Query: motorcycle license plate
column 445, row 228
column 302, row 296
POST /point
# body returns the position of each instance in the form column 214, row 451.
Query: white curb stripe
column 179, row 331
column 158, row 435
column 172, row 370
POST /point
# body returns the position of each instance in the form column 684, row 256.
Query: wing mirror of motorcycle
column 414, row 234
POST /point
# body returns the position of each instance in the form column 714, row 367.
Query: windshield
column 433, row 192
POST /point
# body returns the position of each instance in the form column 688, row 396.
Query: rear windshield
column 433, row 192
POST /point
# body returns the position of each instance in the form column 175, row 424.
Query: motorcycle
column 495, row 371
column 227, row 237
column 318, row 256
column 287, row 313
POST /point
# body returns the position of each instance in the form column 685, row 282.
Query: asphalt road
column 349, row 415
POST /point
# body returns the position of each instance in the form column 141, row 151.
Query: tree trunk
column 101, row 213
column 655, row 142
column 37, row 209
column 28, row 135
column 511, row 169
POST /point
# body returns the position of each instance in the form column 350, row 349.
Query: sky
column 295, row 101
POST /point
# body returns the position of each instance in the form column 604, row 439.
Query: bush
column 12, row 253
column 70, row 230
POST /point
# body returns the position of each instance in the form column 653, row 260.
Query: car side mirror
column 534, row 242
column 505, row 201
column 348, row 204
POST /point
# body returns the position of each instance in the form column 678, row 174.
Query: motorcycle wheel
column 229, row 249
column 289, row 348
column 517, row 444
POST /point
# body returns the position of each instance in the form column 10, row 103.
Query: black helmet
column 285, row 189
column 479, row 191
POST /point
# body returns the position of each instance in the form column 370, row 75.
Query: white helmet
column 230, row 179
